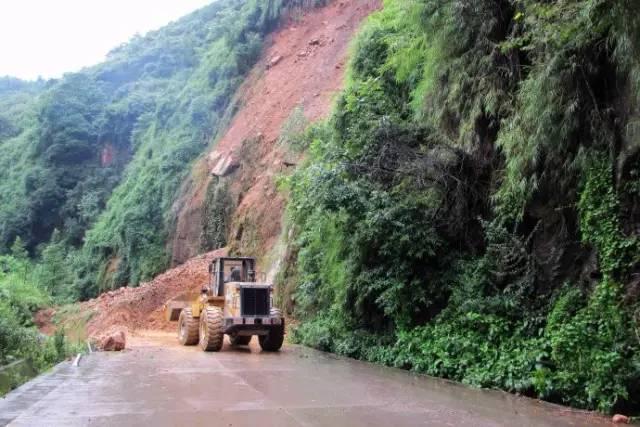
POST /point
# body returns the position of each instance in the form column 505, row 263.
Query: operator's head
column 235, row 274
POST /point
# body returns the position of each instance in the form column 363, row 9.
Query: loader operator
column 235, row 275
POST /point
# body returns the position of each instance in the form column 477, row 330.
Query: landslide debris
column 128, row 309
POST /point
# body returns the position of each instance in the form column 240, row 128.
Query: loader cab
column 228, row 269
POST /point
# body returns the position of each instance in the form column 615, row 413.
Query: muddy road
column 158, row 383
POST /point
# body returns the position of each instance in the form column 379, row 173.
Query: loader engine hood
column 248, row 299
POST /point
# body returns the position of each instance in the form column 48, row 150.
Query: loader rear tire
column 187, row 328
column 240, row 340
column 273, row 341
column 211, row 333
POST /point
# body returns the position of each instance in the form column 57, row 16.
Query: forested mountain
column 98, row 155
column 471, row 210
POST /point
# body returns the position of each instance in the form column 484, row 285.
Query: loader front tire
column 211, row 333
column 274, row 339
column 187, row 328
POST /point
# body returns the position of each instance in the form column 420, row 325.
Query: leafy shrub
column 293, row 130
column 590, row 364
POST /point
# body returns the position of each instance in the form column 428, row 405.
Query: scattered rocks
column 221, row 164
column 620, row 419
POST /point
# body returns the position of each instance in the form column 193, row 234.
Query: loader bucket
column 174, row 306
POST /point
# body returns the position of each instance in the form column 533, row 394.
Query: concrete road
column 158, row 383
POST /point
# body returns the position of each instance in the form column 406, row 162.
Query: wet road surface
column 158, row 383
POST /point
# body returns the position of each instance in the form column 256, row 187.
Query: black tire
column 240, row 340
column 187, row 328
column 273, row 341
column 211, row 334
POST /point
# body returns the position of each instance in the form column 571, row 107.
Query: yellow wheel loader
column 232, row 303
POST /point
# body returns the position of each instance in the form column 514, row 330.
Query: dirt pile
column 142, row 307
column 302, row 67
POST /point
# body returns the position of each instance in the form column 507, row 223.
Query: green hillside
column 471, row 210
column 98, row 155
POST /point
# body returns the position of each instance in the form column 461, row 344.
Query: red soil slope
column 308, row 57
column 303, row 66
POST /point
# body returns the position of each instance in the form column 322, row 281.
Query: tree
column 53, row 272
column 19, row 250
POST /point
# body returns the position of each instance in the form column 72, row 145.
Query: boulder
column 221, row 164
column 115, row 341
column 275, row 61
column 620, row 419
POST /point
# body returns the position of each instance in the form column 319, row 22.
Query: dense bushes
column 20, row 297
column 467, row 210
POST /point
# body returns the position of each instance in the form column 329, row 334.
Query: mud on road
column 159, row 383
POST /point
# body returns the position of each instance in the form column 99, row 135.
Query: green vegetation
column 20, row 297
column 470, row 210
column 292, row 134
column 217, row 215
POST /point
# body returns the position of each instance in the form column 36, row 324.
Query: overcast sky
column 50, row 37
